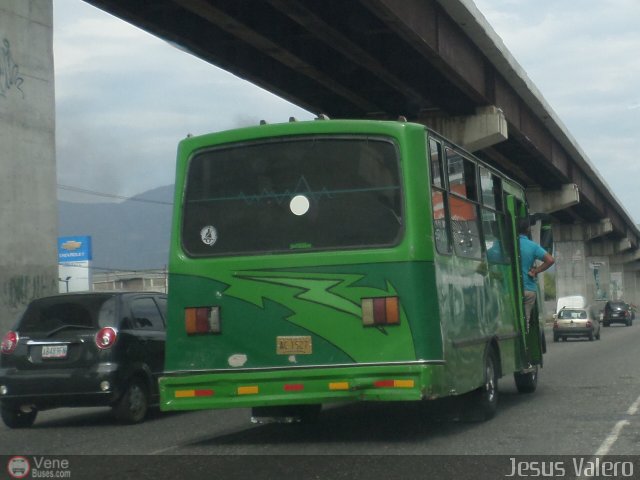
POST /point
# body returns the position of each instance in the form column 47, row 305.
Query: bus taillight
column 380, row 311
column 202, row 320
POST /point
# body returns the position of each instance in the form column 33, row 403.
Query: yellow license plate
column 299, row 345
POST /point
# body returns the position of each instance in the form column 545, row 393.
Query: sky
column 125, row 98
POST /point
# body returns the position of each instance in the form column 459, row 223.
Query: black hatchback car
column 86, row 349
column 617, row 312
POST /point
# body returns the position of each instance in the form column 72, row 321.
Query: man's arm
column 547, row 261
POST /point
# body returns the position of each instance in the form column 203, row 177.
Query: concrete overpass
column 434, row 61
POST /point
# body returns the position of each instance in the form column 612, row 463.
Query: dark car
column 87, row 349
column 617, row 312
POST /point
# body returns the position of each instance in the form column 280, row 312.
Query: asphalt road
column 586, row 404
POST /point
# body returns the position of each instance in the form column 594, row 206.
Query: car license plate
column 294, row 345
column 54, row 351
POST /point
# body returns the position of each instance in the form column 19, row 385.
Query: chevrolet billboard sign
column 74, row 249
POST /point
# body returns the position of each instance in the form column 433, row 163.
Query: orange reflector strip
column 339, row 386
column 392, row 310
column 404, row 383
column 394, row 384
column 250, row 390
column 185, row 393
column 190, row 320
column 193, row 393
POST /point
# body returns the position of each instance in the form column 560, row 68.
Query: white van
column 572, row 301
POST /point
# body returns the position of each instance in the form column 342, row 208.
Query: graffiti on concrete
column 9, row 71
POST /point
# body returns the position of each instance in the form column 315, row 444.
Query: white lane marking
column 617, row 429
column 611, row 438
column 633, row 409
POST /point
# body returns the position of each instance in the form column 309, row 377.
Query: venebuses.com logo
column 38, row 467
column 18, row 467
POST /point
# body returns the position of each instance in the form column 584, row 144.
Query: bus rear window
column 293, row 194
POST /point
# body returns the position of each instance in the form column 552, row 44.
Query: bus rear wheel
column 485, row 399
column 526, row 382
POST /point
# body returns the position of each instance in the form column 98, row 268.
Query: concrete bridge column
column 631, row 285
column 591, row 263
column 571, row 263
column 582, row 269
column 626, row 277
column 28, row 209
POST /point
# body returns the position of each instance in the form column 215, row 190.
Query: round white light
column 299, row 205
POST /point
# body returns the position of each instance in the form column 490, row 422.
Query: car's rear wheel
column 14, row 417
column 134, row 403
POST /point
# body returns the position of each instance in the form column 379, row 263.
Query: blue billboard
column 74, row 249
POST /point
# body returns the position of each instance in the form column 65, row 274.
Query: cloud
column 124, row 99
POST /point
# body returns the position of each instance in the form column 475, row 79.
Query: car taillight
column 9, row 343
column 589, row 324
column 106, row 337
column 555, row 324
column 202, row 320
column 380, row 311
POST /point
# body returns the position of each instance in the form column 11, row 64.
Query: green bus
column 342, row 260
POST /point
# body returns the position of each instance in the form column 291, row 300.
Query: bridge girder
column 423, row 59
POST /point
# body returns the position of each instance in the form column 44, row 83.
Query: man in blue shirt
column 530, row 251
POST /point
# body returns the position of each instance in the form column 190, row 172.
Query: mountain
column 131, row 235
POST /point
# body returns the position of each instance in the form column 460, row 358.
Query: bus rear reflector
column 293, row 387
column 193, row 393
column 248, row 390
column 339, row 386
column 394, row 384
column 380, row 311
column 202, row 320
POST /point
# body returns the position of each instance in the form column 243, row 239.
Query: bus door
column 531, row 338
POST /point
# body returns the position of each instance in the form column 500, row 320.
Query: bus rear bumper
column 195, row 391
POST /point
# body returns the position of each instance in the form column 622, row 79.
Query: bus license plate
column 299, row 345
column 54, row 351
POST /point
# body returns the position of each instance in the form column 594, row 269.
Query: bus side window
column 439, row 199
column 465, row 225
column 440, row 221
column 462, row 175
column 435, row 152
column 490, row 189
column 493, row 226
